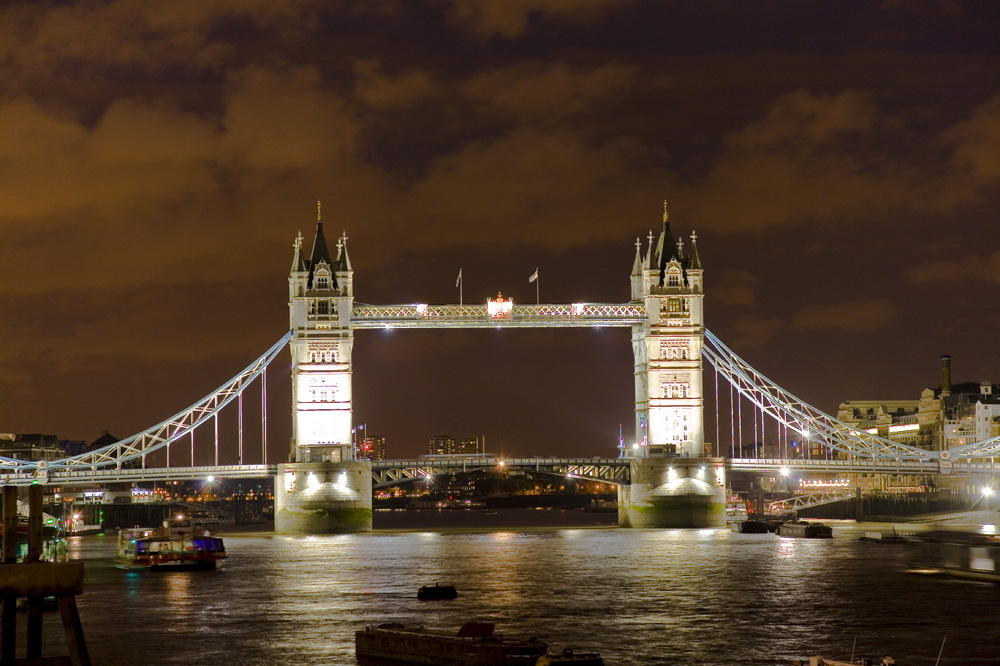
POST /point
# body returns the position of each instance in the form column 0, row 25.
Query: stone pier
column 674, row 492
column 323, row 498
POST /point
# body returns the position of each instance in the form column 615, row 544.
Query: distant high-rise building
column 475, row 444
column 441, row 445
column 372, row 448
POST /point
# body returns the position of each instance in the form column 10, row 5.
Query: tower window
column 323, row 307
column 674, row 280
column 322, row 282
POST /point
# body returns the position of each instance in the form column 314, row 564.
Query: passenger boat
column 475, row 644
column 958, row 554
column 437, row 591
column 805, row 530
column 176, row 545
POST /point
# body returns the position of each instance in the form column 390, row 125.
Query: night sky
column 840, row 163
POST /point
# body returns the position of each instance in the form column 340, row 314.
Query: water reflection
column 639, row 596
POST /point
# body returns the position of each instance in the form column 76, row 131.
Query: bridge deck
column 576, row 315
column 388, row 472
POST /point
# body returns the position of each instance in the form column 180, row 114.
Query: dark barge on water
column 805, row 530
column 475, row 644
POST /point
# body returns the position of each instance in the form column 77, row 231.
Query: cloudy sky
column 839, row 161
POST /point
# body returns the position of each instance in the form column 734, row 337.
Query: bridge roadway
column 420, row 315
column 390, row 472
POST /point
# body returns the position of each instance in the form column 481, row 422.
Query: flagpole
column 537, row 301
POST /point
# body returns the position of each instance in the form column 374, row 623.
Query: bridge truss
column 861, row 451
column 859, row 446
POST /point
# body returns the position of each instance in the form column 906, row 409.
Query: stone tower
column 673, row 481
column 669, row 398
column 321, row 298
column 323, row 489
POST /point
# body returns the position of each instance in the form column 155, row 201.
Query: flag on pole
column 459, row 280
column 534, row 276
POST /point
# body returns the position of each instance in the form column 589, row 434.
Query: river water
column 637, row 596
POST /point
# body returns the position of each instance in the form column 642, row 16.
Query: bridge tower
column 674, row 482
column 323, row 489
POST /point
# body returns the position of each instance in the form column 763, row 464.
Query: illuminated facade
column 942, row 418
column 669, row 402
column 440, row 445
column 371, row 447
column 321, row 299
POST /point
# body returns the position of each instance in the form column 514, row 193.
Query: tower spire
column 665, row 248
column 695, row 262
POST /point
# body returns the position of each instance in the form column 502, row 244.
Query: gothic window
column 322, row 282
column 673, row 349
column 675, row 305
column 323, row 308
column 674, row 280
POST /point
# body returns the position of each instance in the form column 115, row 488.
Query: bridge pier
column 323, row 498
column 674, row 492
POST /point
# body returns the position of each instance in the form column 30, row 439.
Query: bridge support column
column 323, row 498
column 674, row 492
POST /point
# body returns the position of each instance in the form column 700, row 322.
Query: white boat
column 178, row 544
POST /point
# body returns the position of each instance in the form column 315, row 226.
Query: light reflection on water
column 638, row 596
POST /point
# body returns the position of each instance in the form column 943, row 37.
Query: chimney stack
column 945, row 376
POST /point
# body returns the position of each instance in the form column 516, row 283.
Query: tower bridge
column 666, row 478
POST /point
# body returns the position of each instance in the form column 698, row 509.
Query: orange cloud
column 510, row 18
column 857, row 316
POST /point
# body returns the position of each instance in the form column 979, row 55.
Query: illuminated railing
column 421, row 315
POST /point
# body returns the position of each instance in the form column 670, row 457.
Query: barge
column 805, row 530
column 475, row 644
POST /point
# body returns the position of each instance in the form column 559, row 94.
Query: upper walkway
column 421, row 315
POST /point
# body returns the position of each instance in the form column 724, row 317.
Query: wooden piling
column 35, row 580
column 8, row 623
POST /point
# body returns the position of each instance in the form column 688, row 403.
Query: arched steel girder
column 789, row 410
column 160, row 435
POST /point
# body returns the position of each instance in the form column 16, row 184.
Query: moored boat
column 475, row 644
column 805, row 530
column 175, row 545
column 751, row 527
column 437, row 591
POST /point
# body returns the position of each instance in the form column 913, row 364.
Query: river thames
column 637, row 596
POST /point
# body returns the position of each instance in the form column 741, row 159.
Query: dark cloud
column 157, row 160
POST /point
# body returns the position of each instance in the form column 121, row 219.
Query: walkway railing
column 419, row 315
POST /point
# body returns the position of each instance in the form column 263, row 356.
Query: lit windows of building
column 472, row 445
column 441, row 445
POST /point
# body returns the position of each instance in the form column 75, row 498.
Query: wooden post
column 73, row 630
column 8, row 623
column 35, row 601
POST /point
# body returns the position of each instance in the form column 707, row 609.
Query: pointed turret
column 298, row 262
column 665, row 247
column 343, row 261
column 637, row 271
column 695, row 262
column 320, row 252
